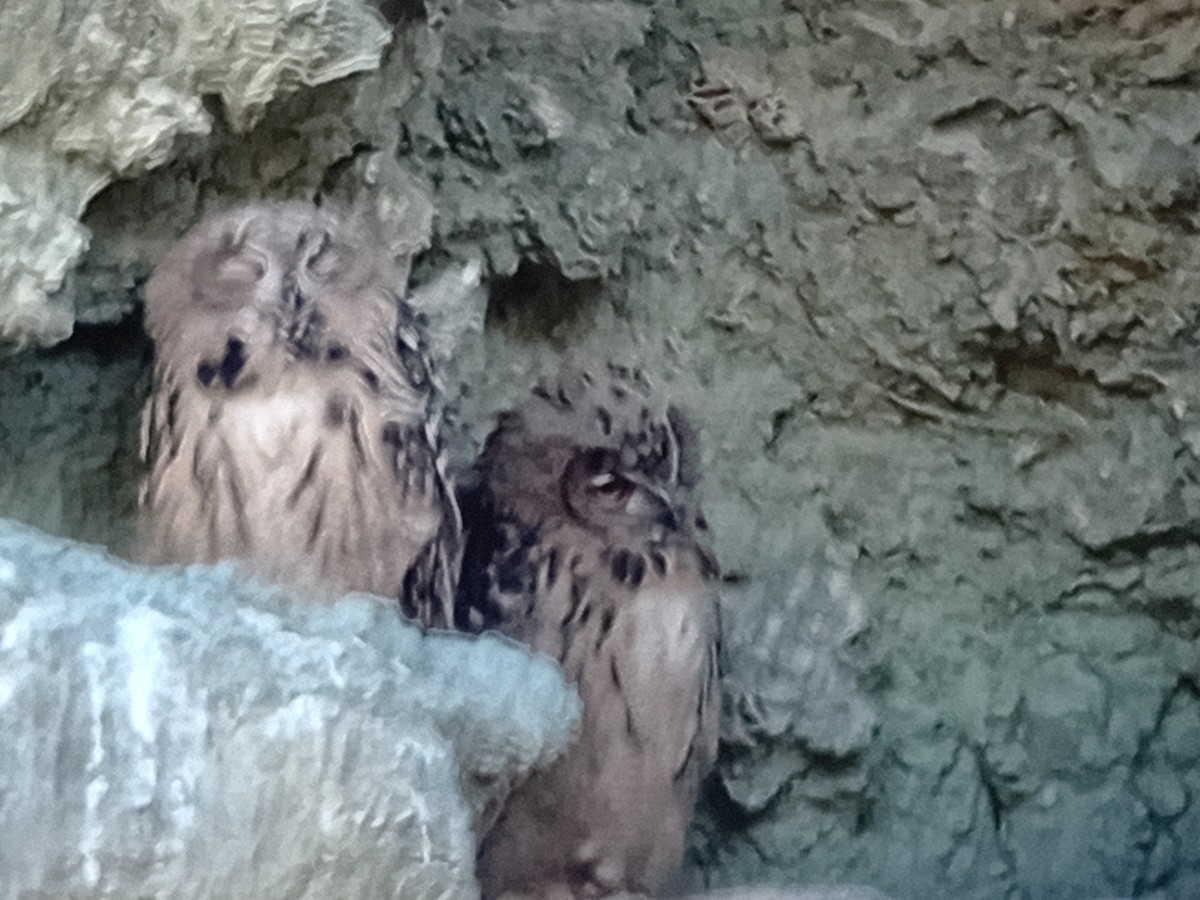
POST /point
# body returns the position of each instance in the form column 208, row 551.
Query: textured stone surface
column 178, row 733
column 95, row 91
column 69, row 434
column 926, row 274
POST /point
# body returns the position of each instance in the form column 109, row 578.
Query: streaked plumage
column 293, row 423
column 585, row 542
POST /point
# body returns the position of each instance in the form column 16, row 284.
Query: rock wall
column 95, row 91
column 926, row 274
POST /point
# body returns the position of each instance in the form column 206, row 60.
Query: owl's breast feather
column 275, row 427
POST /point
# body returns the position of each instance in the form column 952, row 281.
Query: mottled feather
column 294, row 420
column 585, row 542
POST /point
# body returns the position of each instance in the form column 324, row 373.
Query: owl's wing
column 499, row 568
column 428, row 591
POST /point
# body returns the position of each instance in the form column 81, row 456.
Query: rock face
column 91, row 92
column 180, row 733
column 925, row 274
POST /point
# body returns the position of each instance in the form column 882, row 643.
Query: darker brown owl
column 293, row 423
column 585, row 542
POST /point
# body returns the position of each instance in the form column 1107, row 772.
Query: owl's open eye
column 610, row 488
column 595, row 489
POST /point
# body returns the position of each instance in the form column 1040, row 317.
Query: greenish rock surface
column 926, row 275
column 95, row 91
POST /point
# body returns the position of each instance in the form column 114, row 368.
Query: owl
column 293, row 421
column 586, row 543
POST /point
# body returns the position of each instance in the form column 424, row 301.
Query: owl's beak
column 293, row 299
column 654, row 504
column 299, row 320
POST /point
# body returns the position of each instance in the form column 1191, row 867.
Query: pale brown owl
column 585, row 542
column 293, row 423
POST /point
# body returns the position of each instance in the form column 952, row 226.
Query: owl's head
column 601, row 451
column 289, row 276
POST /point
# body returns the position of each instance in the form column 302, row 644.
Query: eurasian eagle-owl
column 293, row 422
column 585, row 542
